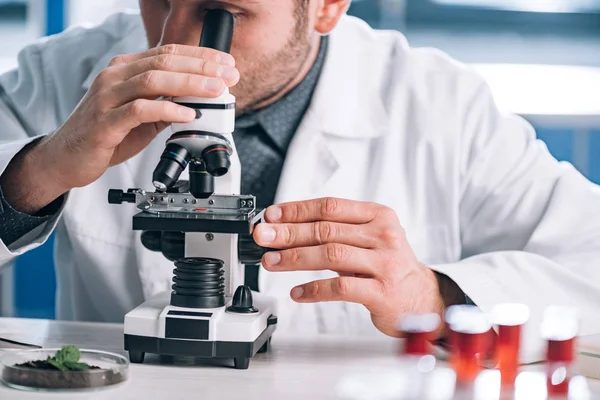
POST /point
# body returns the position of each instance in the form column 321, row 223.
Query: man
column 403, row 189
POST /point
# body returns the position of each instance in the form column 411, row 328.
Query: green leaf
column 76, row 366
column 68, row 353
column 57, row 365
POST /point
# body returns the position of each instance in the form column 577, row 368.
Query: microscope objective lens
column 173, row 161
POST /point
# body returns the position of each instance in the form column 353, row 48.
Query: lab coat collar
column 346, row 80
column 339, row 122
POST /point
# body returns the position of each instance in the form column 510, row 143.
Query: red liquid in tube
column 467, row 361
column 507, row 353
column 469, row 340
column 419, row 331
column 560, row 328
column 560, row 361
column 417, row 344
column 509, row 318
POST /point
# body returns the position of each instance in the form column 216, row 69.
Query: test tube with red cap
column 469, row 336
column 509, row 318
column 559, row 328
column 419, row 331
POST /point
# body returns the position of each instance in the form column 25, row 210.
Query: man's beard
column 269, row 76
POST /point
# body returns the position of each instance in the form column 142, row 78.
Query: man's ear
column 329, row 13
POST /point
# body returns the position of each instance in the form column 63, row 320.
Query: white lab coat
column 481, row 199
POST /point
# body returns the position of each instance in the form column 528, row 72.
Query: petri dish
column 106, row 370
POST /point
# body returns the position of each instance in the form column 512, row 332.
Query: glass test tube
column 469, row 339
column 419, row 331
column 559, row 328
column 509, row 318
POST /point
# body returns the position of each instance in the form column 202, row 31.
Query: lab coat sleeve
column 24, row 117
column 530, row 226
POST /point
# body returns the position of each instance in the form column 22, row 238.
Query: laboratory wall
column 541, row 59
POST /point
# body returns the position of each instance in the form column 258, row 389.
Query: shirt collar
column 281, row 119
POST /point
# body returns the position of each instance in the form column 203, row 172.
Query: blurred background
column 540, row 57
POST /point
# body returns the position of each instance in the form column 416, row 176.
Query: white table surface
column 295, row 367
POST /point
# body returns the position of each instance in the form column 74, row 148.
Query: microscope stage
column 232, row 223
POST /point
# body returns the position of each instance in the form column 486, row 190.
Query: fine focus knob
column 116, row 196
column 242, row 301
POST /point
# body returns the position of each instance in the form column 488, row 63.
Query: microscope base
column 156, row 327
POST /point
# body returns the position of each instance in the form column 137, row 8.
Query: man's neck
column 310, row 60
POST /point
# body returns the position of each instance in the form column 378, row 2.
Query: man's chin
column 245, row 105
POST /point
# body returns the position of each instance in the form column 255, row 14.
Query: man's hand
column 117, row 118
column 364, row 243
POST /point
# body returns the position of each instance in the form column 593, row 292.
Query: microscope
column 205, row 227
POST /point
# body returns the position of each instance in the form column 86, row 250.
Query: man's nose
column 182, row 28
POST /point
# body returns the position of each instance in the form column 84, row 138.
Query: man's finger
column 129, row 116
column 344, row 288
column 285, row 236
column 177, row 49
column 153, row 84
column 334, row 257
column 325, row 209
column 182, row 64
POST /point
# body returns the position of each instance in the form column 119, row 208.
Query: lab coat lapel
column 345, row 115
column 329, row 156
column 309, row 165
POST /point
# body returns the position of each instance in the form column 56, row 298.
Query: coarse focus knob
column 116, row 196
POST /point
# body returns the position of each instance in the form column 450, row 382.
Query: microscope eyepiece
column 217, row 160
column 217, row 32
column 173, row 161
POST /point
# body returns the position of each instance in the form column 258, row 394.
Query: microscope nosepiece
column 173, row 161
